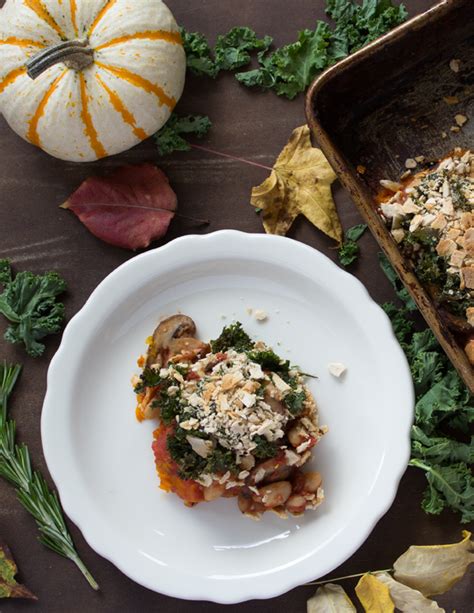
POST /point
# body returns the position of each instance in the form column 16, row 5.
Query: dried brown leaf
column 300, row 183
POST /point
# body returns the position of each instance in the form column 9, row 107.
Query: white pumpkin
column 83, row 79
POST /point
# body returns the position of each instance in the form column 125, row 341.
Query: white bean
column 296, row 504
column 312, row 482
column 213, row 491
column 245, row 503
column 249, row 505
column 275, row 494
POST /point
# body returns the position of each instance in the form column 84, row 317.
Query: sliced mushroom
column 173, row 336
column 187, row 350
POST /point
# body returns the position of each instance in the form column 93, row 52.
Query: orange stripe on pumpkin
column 138, row 81
column 37, row 7
column 169, row 37
column 120, row 107
column 108, row 5
column 73, row 6
column 21, row 42
column 89, row 129
column 10, row 77
column 33, row 135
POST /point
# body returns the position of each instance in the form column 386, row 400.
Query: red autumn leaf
column 129, row 208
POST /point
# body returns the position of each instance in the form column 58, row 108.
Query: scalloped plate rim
column 222, row 239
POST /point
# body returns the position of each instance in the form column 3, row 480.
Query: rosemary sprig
column 31, row 487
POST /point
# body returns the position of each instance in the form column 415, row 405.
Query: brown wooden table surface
column 36, row 235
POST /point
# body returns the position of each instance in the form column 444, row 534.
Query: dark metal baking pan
column 385, row 104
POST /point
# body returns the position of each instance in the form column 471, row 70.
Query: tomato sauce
column 189, row 491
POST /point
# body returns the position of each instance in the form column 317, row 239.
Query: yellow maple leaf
column 374, row 595
column 300, row 183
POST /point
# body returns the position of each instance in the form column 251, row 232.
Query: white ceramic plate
column 100, row 457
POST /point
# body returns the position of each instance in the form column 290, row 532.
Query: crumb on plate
column 337, row 369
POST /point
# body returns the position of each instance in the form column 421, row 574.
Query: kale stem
column 429, row 469
column 372, row 572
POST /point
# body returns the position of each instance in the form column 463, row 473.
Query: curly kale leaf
column 269, row 360
column 423, row 341
column 401, row 323
column 438, row 449
column 398, row 286
column 149, row 377
column 450, row 486
column 444, row 412
column 220, row 461
column 426, row 369
column 294, row 402
column 190, row 464
column 232, row 337
column 30, row 303
column 232, row 50
column 5, row 272
column 265, row 449
column 199, row 58
column 349, row 251
column 172, row 135
column 359, row 24
column 446, row 397
column 289, row 70
column 169, row 405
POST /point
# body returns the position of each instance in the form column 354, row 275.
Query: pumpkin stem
column 75, row 54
